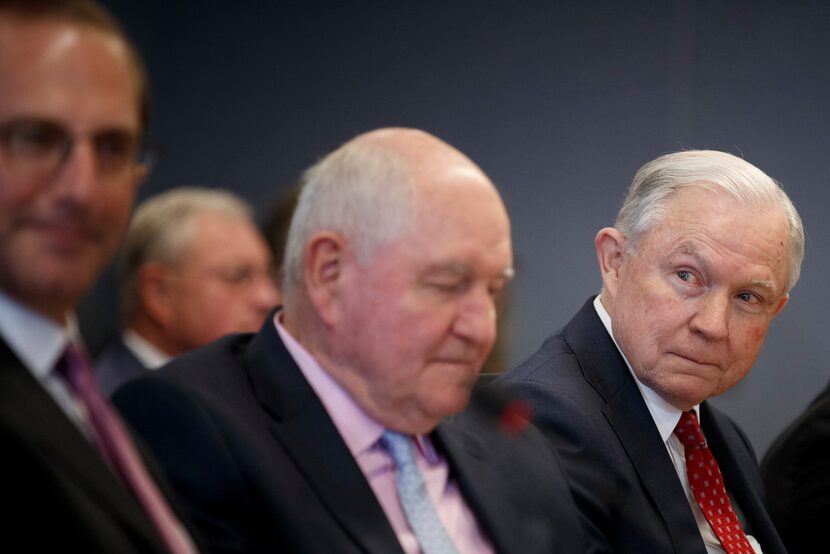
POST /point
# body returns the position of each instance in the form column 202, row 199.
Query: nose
column 77, row 176
column 264, row 295
column 711, row 317
column 476, row 320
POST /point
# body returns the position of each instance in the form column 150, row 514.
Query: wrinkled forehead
column 700, row 219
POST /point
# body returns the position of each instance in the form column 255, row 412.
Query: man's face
column 691, row 307
column 222, row 283
column 420, row 317
column 58, row 230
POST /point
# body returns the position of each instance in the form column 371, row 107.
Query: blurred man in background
column 73, row 98
column 194, row 268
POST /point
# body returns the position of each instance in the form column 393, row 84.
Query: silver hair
column 361, row 191
column 161, row 230
column 659, row 180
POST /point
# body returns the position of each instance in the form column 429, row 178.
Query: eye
column 684, row 275
column 115, row 148
column 448, row 286
column 236, row 276
column 748, row 297
column 35, row 139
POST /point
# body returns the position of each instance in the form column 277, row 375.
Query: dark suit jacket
column 116, row 365
column 623, row 480
column 796, row 473
column 57, row 491
column 262, row 468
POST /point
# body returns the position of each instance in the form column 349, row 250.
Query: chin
column 685, row 399
column 457, row 403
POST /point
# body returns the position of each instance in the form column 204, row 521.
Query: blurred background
column 559, row 102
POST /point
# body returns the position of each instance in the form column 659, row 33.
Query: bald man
column 305, row 436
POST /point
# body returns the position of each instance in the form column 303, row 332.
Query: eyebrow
column 459, row 268
column 766, row 284
column 689, row 250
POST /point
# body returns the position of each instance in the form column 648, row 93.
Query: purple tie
column 118, row 450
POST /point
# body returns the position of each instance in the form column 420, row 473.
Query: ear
column 325, row 258
column 155, row 289
column 610, row 247
column 140, row 173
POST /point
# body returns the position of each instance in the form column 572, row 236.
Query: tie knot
column 399, row 447
column 74, row 368
column 688, row 431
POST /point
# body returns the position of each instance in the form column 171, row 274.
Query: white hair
column 162, row 228
column 659, row 180
column 361, row 191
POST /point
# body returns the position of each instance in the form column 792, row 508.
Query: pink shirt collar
column 359, row 431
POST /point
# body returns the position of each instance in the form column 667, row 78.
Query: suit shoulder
column 215, row 360
column 554, row 357
column 807, row 438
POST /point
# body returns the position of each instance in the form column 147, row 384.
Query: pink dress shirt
column 361, row 434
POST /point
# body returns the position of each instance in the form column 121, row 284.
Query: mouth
column 64, row 236
column 463, row 368
column 693, row 359
column 455, row 362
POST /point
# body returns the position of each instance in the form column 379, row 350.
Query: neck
column 155, row 334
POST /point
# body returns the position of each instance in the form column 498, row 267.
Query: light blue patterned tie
column 415, row 501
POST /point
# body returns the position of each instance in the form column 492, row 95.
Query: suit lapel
column 28, row 409
column 304, row 430
column 467, row 456
column 723, row 440
column 626, row 412
column 639, row 436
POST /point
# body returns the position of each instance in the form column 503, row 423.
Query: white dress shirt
column 149, row 356
column 39, row 342
column 666, row 417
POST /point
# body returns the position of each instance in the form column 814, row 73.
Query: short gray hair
column 362, row 191
column 659, row 180
column 162, row 228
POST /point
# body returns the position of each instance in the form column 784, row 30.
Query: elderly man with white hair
column 332, row 429
column 702, row 257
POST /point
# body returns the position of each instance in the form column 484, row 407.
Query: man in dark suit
column 194, row 268
column 796, row 478
column 118, row 363
column 309, row 436
column 72, row 97
column 701, row 259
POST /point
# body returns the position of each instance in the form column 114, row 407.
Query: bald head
column 371, row 189
column 426, row 155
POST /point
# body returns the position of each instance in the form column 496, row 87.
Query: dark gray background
column 559, row 102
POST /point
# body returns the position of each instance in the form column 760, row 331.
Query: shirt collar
column 664, row 414
column 149, row 356
column 34, row 338
column 359, row 431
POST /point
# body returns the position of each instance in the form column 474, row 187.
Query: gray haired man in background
column 194, row 268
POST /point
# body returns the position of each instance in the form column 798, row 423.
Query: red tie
column 119, row 451
column 707, row 485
